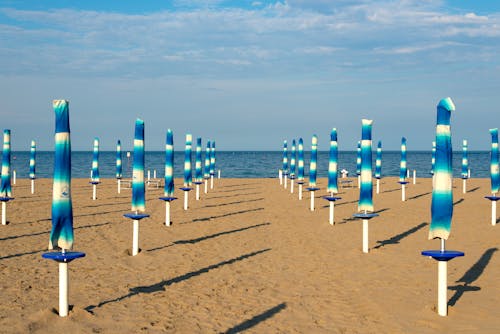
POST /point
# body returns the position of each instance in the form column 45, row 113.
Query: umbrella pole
column 464, row 185
column 291, row 186
column 32, row 186
column 197, row 192
column 414, row 176
column 135, row 237
column 285, row 181
column 218, row 174
column 378, row 186
column 206, row 186
column 403, row 192
column 493, row 213
column 4, row 213
column 63, row 289
column 331, row 212
column 94, row 191
column 300, row 192
column 280, row 175
column 14, row 177
column 119, row 186
column 442, row 284
column 211, row 182
column 365, row 236
column 186, row 195
column 167, row 213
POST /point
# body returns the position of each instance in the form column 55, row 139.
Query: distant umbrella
column 313, row 162
column 403, row 169
column 465, row 160
column 33, row 160
column 285, row 157
column 138, row 186
column 206, row 170
column 187, row 161
column 198, row 176
column 293, row 158
column 378, row 161
column 169, row 165
column 95, row 161
column 494, row 164
column 358, row 159
column 301, row 160
column 119, row 160
column 332, row 163
column 5, row 186
column 61, row 234
column 433, row 159
column 365, row 202
column 212, row 159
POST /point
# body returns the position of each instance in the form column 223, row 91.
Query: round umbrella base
column 168, row 199
column 439, row 255
column 136, row 216
column 65, row 257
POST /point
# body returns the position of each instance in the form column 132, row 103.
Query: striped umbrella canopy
column 332, row 163
column 33, row 160
column 206, row 171
column 365, row 202
column 433, row 159
column 465, row 160
column 494, row 170
column 403, row 169
column 61, row 234
column 5, row 187
column 198, row 176
column 442, row 195
column 168, row 189
column 188, row 180
column 138, row 186
column 95, row 161
column 378, row 161
column 313, row 162
column 293, row 158
column 285, row 157
column 212, row 159
column 119, row 160
column 358, row 159
column 301, row 160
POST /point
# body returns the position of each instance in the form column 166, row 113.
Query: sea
column 244, row 164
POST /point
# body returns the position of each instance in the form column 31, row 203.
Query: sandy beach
column 249, row 256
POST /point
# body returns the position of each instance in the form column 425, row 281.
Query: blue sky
column 249, row 73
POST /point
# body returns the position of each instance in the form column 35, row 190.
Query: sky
column 249, row 74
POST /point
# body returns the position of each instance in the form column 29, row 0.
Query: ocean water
column 244, row 164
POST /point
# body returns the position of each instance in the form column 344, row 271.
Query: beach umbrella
column 168, row 190
column 138, row 186
column 33, row 165
column 300, row 167
column 198, row 176
column 332, row 187
column 119, row 164
column 378, row 165
column 403, row 170
column 312, row 169
column 358, row 163
column 212, row 164
column 5, row 186
column 206, row 171
column 187, row 170
column 494, row 175
column 293, row 159
column 95, row 168
column 465, row 166
column 61, row 234
column 285, row 162
column 433, row 159
column 442, row 199
column 365, row 203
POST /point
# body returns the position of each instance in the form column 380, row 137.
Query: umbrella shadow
column 106, row 204
column 391, row 190
column 194, row 241
column 196, row 220
column 420, row 195
column 231, row 203
column 247, row 324
column 160, row 286
column 470, row 276
column 231, row 196
column 397, row 238
column 97, row 213
column 234, row 190
column 20, row 254
column 237, row 185
column 473, row 189
column 458, row 202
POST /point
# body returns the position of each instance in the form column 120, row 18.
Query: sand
column 249, row 256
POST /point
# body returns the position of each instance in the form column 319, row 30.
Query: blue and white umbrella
column 494, row 169
column 300, row 166
column 378, row 165
column 138, row 185
column 119, row 170
column 433, row 158
column 95, row 162
column 5, row 186
column 313, row 169
column 168, row 190
column 403, row 169
column 293, row 159
column 332, row 164
column 33, row 165
column 206, row 170
column 365, row 203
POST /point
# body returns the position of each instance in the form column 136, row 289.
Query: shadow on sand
column 395, row 239
column 256, row 319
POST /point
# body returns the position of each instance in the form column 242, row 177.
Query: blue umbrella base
column 197, row 182
column 136, row 216
column 168, row 199
column 94, row 182
column 63, row 257
column 439, row 255
column 491, row 198
column 300, row 182
column 331, row 198
column 365, row 216
column 186, row 189
column 403, row 182
column 6, row 199
column 312, row 188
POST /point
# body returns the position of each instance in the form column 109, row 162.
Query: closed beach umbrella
column 138, row 186
column 212, row 159
column 300, row 167
column 365, row 202
column 465, row 160
column 169, row 165
column 119, row 160
column 187, row 161
column 494, row 169
column 293, row 158
column 332, row 163
column 403, row 169
column 206, row 170
column 61, row 235
column 433, row 159
column 285, row 158
column 198, row 176
column 378, row 165
column 95, row 161
column 33, row 160
column 5, row 186
column 358, row 159
column 313, row 162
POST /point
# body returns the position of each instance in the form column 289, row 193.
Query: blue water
column 243, row 164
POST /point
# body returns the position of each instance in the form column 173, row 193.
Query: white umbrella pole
column 493, row 213
column 135, row 237
column 119, row 186
column 32, row 186
column 359, row 181
column 331, row 212
column 167, row 213
column 365, row 236
column 291, row 186
column 378, row 186
column 285, row 181
column 186, row 196
column 280, row 175
column 414, row 176
column 154, row 173
column 149, row 174
column 464, row 185
column 63, row 289
column 312, row 200
column 94, row 191
column 211, row 182
column 197, row 192
column 218, row 174
column 300, row 192
column 4, row 213
column 206, row 186
column 14, row 177
column 403, row 192
column 442, row 287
